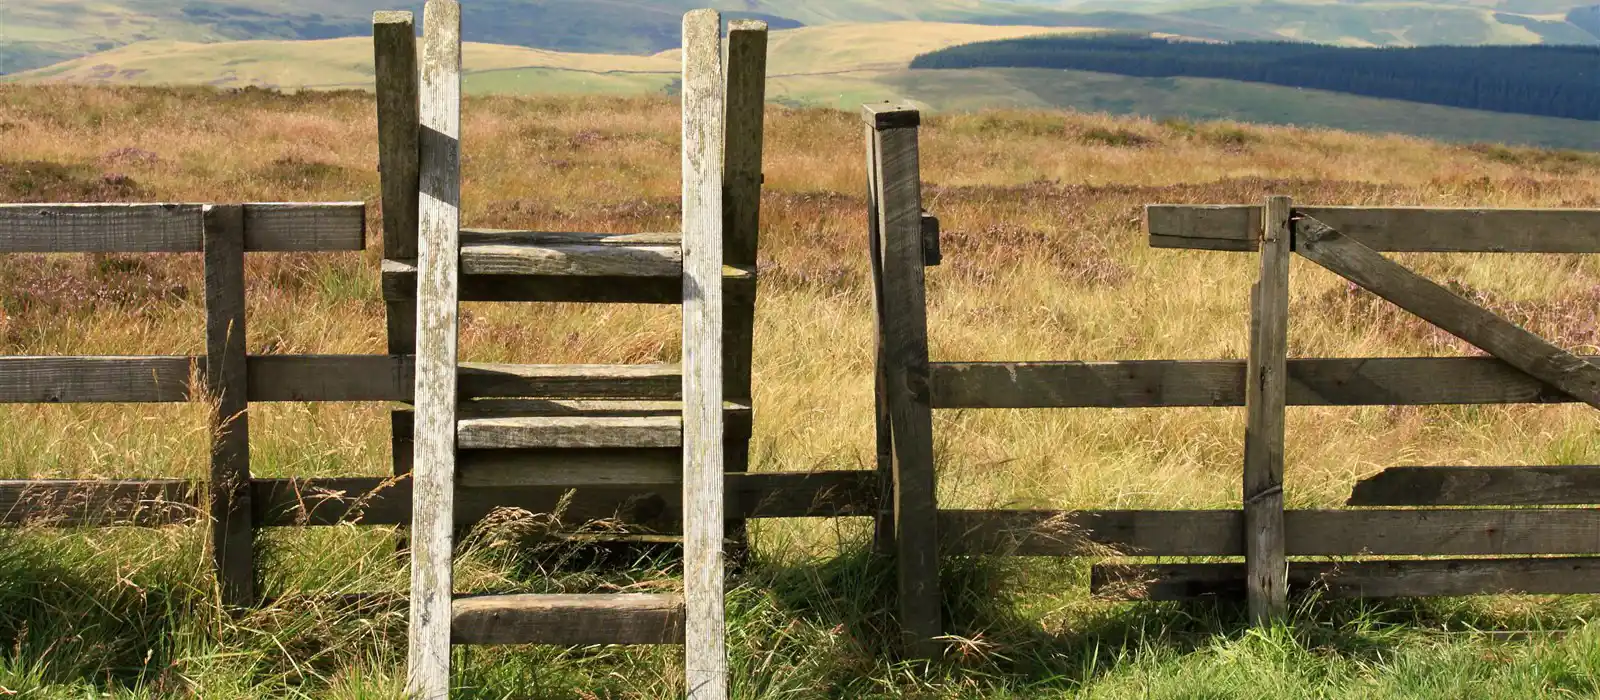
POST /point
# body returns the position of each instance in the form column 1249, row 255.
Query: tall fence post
column 1266, row 394
column 232, row 535
column 744, row 104
column 903, row 335
column 438, row 294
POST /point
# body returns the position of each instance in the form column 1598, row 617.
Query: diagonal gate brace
column 1435, row 304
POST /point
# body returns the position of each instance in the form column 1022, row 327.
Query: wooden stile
column 705, row 652
column 1265, row 397
column 905, row 352
column 1447, row 310
column 434, row 445
column 232, row 535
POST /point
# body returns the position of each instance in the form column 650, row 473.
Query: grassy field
column 1043, row 260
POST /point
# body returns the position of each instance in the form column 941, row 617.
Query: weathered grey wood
column 906, row 373
column 432, row 520
column 1388, row 229
column 1400, row 381
column 522, row 237
column 1220, row 533
column 387, row 501
column 1479, row 486
column 571, row 381
column 394, row 45
column 571, row 432
column 399, row 284
column 232, row 541
column 559, row 260
column 79, row 503
column 96, row 379
column 884, row 523
column 569, row 620
column 1356, row 579
column 705, row 646
column 621, row 467
column 176, row 228
column 1447, row 310
column 1265, row 397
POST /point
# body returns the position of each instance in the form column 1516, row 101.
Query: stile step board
column 572, row 260
column 569, row 432
column 400, row 284
column 568, row 620
column 660, row 382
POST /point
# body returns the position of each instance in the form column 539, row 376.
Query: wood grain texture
column 563, row 260
column 394, row 45
column 705, row 645
column 232, row 543
column 524, row 237
column 432, row 519
column 745, row 106
column 884, row 524
column 150, row 379
column 80, row 503
column 571, row 432
column 176, row 228
column 1503, row 339
column 1265, row 397
column 569, row 620
column 399, row 284
column 1387, row 229
column 388, row 501
column 1479, row 486
column 571, row 381
column 906, row 374
column 1356, row 579
column 1397, row 381
column 1220, row 533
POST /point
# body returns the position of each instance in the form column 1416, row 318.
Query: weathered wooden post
column 438, row 291
column 896, row 212
column 232, row 533
column 745, row 98
column 705, row 652
column 1266, row 394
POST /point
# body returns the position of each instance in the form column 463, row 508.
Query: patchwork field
column 1044, row 259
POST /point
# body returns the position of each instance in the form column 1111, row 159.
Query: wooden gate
column 1510, row 548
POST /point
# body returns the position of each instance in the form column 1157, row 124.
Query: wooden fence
column 1511, row 548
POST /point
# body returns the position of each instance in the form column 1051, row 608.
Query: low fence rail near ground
column 1510, row 547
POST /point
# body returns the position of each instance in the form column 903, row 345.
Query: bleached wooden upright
column 438, row 284
column 705, row 653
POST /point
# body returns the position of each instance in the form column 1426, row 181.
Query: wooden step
column 643, row 268
column 569, row 432
column 500, row 381
column 568, row 620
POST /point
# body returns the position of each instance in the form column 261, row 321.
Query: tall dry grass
column 1044, row 259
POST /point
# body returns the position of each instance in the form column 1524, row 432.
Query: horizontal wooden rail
column 1390, row 229
column 400, row 284
column 177, row 228
column 1220, row 533
column 166, row 379
column 568, row 620
column 1479, row 486
column 1356, row 579
column 387, row 501
column 1397, row 381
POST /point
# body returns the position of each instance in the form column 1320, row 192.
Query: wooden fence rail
column 1521, row 368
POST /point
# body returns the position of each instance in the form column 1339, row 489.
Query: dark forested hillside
column 1555, row 81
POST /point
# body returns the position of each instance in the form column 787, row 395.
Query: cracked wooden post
column 232, row 535
column 438, row 293
column 903, row 335
column 1266, row 394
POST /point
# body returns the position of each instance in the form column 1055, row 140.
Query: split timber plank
column 569, row 620
column 83, row 503
column 569, row 260
column 1265, row 398
column 1479, row 486
column 1356, row 579
column 571, row 381
column 176, row 228
column 232, row 541
column 394, row 45
column 898, row 186
column 387, row 500
column 1220, row 533
column 494, row 236
column 1505, row 340
column 1387, row 229
column 438, row 291
column 399, row 284
column 1395, row 381
column 704, row 506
